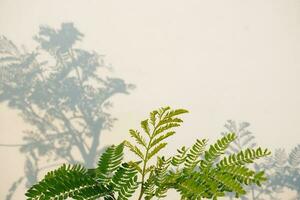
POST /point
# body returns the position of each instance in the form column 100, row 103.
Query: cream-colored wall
column 234, row 59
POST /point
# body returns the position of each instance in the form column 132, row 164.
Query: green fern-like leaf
column 161, row 138
column 138, row 137
column 192, row 158
column 217, row 149
column 180, row 158
column 244, row 157
column 243, row 174
column 124, row 181
column 176, row 112
column 135, row 150
column 191, row 189
column 157, row 179
column 136, row 166
column 66, row 182
column 230, row 183
column 156, row 150
column 145, row 126
column 165, row 127
column 109, row 162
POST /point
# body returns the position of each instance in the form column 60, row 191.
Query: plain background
column 234, row 59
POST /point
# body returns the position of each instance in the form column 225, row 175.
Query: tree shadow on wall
column 64, row 92
column 282, row 169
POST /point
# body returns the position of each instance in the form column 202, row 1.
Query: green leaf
column 216, row 150
column 136, row 166
column 162, row 111
column 165, row 128
column 149, row 169
column 124, row 181
column 66, row 182
column 156, row 150
column 145, row 126
column 176, row 112
column 230, row 183
column 194, row 153
column 153, row 115
column 138, row 137
column 243, row 157
column 135, row 150
column 169, row 120
column 109, row 162
column 161, row 138
column 180, row 157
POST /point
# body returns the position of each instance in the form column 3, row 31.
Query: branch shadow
column 64, row 92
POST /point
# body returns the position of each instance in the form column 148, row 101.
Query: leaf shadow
column 282, row 169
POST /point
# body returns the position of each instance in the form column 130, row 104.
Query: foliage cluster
column 198, row 172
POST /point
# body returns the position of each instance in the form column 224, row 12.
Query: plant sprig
column 195, row 172
column 157, row 128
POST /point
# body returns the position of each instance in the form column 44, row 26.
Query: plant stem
column 144, row 170
column 145, row 163
column 143, row 180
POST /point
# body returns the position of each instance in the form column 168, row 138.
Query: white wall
column 219, row 59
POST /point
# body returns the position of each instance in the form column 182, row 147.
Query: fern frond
column 94, row 193
column 165, row 127
column 180, row 157
column 155, row 185
column 176, row 112
column 192, row 158
column 66, row 182
column 152, row 117
column 161, row 138
column 191, row 189
column 124, row 182
column 162, row 111
column 145, row 126
column 136, row 166
column 244, row 157
column 138, row 137
column 168, row 120
column 230, row 183
column 135, row 150
column 243, row 174
column 156, row 149
column 217, row 149
column 161, row 173
column 149, row 169
column 149, row 188
column 109, row 162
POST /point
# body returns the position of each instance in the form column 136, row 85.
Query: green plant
column 196, row 172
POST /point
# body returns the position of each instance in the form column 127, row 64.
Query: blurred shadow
column 282, row 170
column 64, row 92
